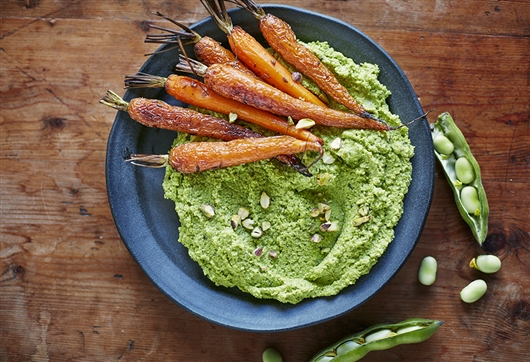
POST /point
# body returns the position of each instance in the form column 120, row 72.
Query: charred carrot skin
column 236, row 85
column 254, row 55
column 194, row 92
column 201, row 156
column 158, row 114
column 209, row 51
column 281, row 38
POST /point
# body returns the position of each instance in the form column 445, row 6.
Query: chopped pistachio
column 265, row 225
column 323, row 179
column 327, row 215
column 258, row 251
column 248, row 224
column 207, row 210
column 330, row 226
column 322, row 207
column 264, row 200
column 290, row 121
column 317, row 238
column 315, row 212
column 364, row 210
column 361, row 220
column 235, row 221
column 232, row 117
column 327, row 159
column 273, row 254
column 336, row 144
column 256, row 233
column 305, row 123
column 243, row 213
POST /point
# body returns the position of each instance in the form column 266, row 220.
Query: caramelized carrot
column 256, row 57
column 200, row 156
column 158, row 114
column 236, row 85
column 207, row 50
column 193, row 92
column 281, row 38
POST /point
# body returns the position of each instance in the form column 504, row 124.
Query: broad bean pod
column 378, row 337
column 462, row 171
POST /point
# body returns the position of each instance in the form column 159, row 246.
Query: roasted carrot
column 281, row 38
column 256, row 57
column 158, row 114
column 195, row 157
column 236, row 85
column 192, row 91
column 208, row 50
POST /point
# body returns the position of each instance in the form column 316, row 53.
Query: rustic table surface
column 71, row 291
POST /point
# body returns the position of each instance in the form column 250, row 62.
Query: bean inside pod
column 462, row 172
column 378, row 337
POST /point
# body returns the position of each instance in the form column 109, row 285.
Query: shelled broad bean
column 462, row 171
column 378, row 337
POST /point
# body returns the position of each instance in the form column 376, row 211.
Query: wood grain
column 71, row 291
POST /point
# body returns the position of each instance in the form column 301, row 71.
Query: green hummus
column 363, row 182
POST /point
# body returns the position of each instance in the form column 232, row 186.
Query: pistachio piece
column 336, row 144
column 265, row 225
column 235, row 221
column 248, row 224
column 305, row 123
column 361, row 220
column 243, row 213
column 264, row 200
column 232, row 117
column 315, row 212
column 317, row 238
column 256, row 233
column 323, row 179
column 330, row 226
column 207, row 210
column 327, row 159
column 322, row 207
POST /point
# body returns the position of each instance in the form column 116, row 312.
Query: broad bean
column 470, row 200
column 464, row 170
column 463, row 174
column 271, row 355
column 486, row 263
column 378, row 337
column 427, row 271
column 442, row 145
column 473, row 291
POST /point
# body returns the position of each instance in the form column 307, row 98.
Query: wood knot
column 54, row 123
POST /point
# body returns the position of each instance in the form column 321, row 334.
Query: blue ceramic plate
column 148, row 223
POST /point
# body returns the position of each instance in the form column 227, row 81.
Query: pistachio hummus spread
column 276, row 234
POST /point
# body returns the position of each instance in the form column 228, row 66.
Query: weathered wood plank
column 71, row 291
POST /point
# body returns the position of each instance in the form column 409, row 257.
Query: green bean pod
column 462, row 171
column 378, row 337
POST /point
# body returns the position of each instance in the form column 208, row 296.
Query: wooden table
column 71, row 291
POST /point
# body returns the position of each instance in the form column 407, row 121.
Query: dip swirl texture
column 364, row 187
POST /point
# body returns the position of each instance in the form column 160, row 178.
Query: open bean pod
column 462, row 171
column 378, row 337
